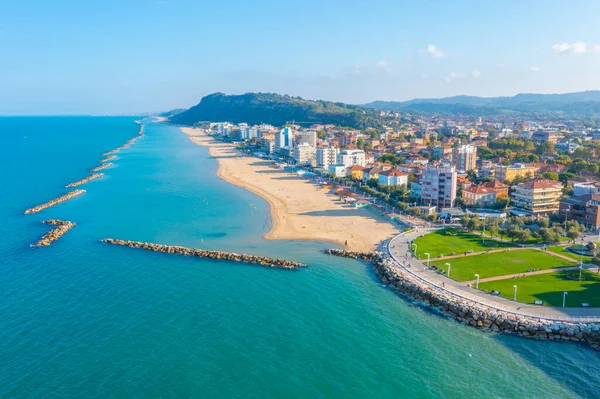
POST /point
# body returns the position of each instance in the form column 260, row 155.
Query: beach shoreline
column 298, row 210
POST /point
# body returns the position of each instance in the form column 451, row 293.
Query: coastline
column 299, row 210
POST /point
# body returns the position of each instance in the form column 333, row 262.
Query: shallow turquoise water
column 84, row 319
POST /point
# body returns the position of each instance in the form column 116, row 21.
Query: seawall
column 83, row 181
column 218, row 255
column 472, row 313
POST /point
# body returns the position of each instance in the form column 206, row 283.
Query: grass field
column 451, row 240
column 500, row 264
column 557, row 249
column 550, row 287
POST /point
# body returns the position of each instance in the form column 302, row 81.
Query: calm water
column 84, row 319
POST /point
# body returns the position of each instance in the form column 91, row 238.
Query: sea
column 84, row 319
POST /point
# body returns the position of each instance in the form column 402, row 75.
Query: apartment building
column 464, row 157
column 438, row 185
column 509, row 173
column 539, row 197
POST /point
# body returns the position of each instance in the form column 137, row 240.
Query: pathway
column 526, row 274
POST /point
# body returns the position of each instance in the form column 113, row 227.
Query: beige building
column 504, row 172
column 539, row 197
column 464, row 157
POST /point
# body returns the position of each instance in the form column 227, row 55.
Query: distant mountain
column 581, row 103
column 275, row 109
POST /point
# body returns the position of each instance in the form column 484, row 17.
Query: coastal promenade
column 398, row 249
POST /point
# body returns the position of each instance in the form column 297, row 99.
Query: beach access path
column 398, row 249
column 300, row 210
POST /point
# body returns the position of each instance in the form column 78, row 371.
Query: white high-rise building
column 438, row 186
column 284, row 138
column 350, row 158
column 326, row 156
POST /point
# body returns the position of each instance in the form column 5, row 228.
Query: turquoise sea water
column 85, row 319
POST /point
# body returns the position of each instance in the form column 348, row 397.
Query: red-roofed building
column 393, row 178
column 500, row 188
column 479, row 196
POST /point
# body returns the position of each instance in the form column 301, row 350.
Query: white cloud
column 596, row 48
column 534, row 69
column 435, row 52
column 383, row 65
column 475, row 73
column 569, row 48
column 423, row 75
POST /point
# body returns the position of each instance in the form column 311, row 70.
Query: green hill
column 275, row 109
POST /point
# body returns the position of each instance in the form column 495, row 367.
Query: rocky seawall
column 62, row 226
column 472, row 313
column 218, row 255
column 56, row 201
column 83, row 181
column 103, row 166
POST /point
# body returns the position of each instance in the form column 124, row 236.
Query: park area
column 504, row 261
column 447, row 241
column 550, row 287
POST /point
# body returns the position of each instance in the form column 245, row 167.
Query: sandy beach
column 299, row 209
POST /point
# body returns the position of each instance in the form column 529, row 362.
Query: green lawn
column 557, row 249
column 550, row 287
column 446, row 241
column 500, row 264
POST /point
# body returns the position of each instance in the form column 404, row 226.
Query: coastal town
column 501, row 215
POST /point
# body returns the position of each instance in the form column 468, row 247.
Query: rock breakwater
column 101, row 167
column 201, row 253
column 56, row 201
column 62, row 226
column 473, row 313
column 109, row 158
column 127, row 144
column 83, row 181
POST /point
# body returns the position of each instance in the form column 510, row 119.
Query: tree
column 464, row 221
column 523, row 236
column 573, row 234
column 473, row 223
column 550, row 175
column 372, row 183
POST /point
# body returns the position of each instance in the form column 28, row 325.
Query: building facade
column 284, row 138
column 304, row 153
column 464, row 157
column 393, row 178
column 306, row 137
column 438, row 186
column 584, row 209
column 326, row 156
column 350, row 158
column 509, row 173
column 540, row 197
column 478, row 196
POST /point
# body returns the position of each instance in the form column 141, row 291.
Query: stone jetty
column 56, row 201
column 127, row 143
column 110, row 158
column 201, row 253
column 472, row 313
column 103, row 166
column 62, row 226
column 83, row 181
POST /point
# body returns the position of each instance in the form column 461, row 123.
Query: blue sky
column 72, row 57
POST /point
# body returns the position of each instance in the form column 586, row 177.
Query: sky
column 130, row 56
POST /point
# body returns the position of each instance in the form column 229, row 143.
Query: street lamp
column 477, row 283
column 483, row 235
column 448, row 274
column 429, row 256
column 564, row 298
column 580, row 269
column 515, row 293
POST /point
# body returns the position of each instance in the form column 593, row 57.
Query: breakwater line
column 62, row 226
column 109, row 158
column 101, row 167
column 127, row 144
column 201, row 253
column 83, row 181
column 55, row 201
column 472, row 313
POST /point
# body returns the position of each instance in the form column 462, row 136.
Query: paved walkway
column 399, row 251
